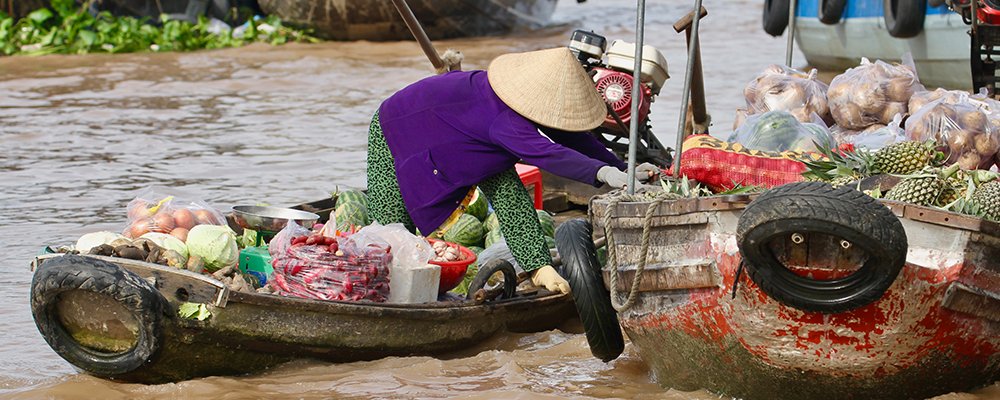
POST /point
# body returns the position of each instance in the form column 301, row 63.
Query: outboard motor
column 611, row 69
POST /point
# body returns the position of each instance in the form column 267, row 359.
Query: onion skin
column 138, row 228
column 184, row 218
column 180, row 233
column 205, row 217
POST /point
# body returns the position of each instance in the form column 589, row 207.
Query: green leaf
column 40, row 15
column 197, row 311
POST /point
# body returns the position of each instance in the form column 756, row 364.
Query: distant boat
column 378, row 20
column 940, row 48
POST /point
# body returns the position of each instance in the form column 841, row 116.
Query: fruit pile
column 325, row 268
column 445, row 253
column 167, row 215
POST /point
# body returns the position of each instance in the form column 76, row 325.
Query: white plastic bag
column 779, row 88
column 411, row 278
column 872, row 93
column 781, row 131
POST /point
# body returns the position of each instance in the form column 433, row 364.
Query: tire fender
column 831, row 11
column 904, row 18
column 77, row 273
column 816, row 207
column 775, row 16
column 593, row 302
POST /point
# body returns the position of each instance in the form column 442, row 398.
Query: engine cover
column 616, row 89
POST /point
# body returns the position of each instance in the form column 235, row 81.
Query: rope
column 647, row 224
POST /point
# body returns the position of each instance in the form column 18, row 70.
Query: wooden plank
column 973, row 301
column 668, row 276
column 661, row 221
column 176, row 285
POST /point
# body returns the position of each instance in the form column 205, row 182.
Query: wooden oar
column 418, row 33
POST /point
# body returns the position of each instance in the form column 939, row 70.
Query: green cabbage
column 168, row 242
column 215, row 244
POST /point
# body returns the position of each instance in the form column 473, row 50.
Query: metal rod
column 418, row 33
column 633, row 133
column 791, row 32
column 686, row 92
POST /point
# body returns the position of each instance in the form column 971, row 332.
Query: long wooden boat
column 699, row 323
column 378, row 20
column 117, row 318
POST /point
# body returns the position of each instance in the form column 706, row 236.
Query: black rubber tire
column 71, row 273
column 775, row 16
column 816, row 207
column 593, row 302
column 486, row 271
column 904, row 18
column 831, row 11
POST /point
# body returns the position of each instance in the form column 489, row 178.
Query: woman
column 433, row 142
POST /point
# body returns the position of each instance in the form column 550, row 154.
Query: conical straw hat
column 548, row 87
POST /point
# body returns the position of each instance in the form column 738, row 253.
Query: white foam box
column 621, row 55
column 409, row 285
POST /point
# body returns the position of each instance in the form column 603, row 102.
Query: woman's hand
column 612, row 176
column 646, row 172
column 547, row 277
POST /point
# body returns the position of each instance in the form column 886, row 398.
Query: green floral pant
column 518, row 219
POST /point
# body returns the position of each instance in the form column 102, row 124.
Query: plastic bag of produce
column 962, row 127
column 874, row 137
column 779, row 88
column 314, row 266
column 781, row 131
column 872, row 93
column 721, row 165
column 154, row 211
column 408, row 250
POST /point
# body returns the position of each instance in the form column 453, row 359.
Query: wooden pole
column 419, row 34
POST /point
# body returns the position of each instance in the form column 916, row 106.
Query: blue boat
column 940, row 47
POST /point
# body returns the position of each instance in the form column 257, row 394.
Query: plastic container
column 621, row 56
column 452, row 272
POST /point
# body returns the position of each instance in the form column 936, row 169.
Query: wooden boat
column 378, row 20
column 699, row 323
column 117, row 318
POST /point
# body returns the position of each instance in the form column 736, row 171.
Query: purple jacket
column 449, row 132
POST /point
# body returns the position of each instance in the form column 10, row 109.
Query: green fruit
column 466, row 231
column 493, row 237
column 352, row 196
column 987, row 198
column 548, row 223
column 904, row 157
column 550, row 242
column 492, row 223
column 478, row 206
column 476, row 249
column 351, row 213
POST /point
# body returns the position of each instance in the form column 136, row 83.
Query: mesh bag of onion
column 313, row 266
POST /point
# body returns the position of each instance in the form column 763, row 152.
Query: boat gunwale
column 902, row 210
column 417, row 310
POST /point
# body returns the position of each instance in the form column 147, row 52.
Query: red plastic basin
column 452, row 272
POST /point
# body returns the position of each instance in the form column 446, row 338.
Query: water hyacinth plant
column 67, row 28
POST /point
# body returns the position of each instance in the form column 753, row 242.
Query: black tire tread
column 831, row 11
column 818, row 207
column 593, row 302
column 69, row 273
column 906, row 20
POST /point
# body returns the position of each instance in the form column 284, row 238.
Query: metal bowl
column 271, row 219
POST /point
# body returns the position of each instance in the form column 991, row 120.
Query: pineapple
column 987, row 199
column 904, row 157
column 922, row 189
column 955, row 188
column 843, row 180
column 840, row 167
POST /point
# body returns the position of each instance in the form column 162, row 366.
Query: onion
column 987, row 144
column 204, row 216
column 973, row 120
column 891, row 110
column 184, row 218
column 163, row 223
column 970, row 160
column 138, row 228
column 180, row 233
column 959, row 141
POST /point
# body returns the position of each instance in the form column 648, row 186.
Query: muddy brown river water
column 79, row 135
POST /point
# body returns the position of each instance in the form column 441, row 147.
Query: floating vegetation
column 67, row 28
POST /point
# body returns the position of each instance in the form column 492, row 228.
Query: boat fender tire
column 775, row 16
column 830, row 11
column 593, row 302
column 904, row 18
column 486, row 271
column 77, row 273
column 816, row 207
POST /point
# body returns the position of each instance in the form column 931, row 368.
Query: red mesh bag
column 722, row 165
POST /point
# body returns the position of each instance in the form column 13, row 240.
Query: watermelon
column 493, row 237
column 478, row 206
column 548, row 224
column 352, row 196
column 477, row 249
column 470, row 274
column 351, row 213
column 550, row 242
column 492, row 223
column 466, row 231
